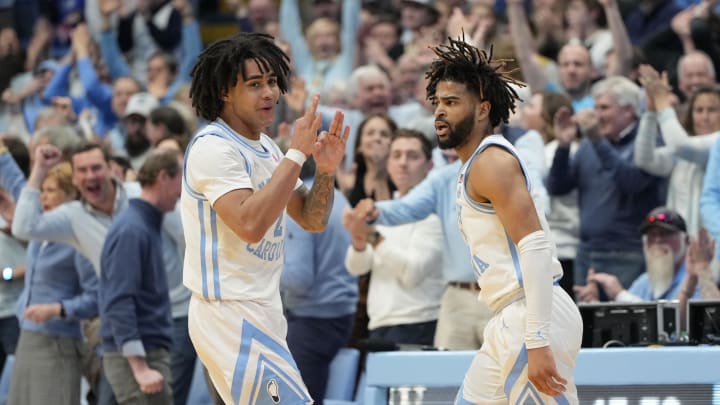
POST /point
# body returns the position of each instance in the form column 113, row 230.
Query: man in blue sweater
column 136, row 324
column 613, row 194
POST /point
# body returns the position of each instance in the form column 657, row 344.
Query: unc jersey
column 499, row 371
column 235, row 318
column 494, row 255
column 218, row 264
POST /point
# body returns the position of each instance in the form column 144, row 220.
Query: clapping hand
column 657, row 88
column 329, row 148
column 564, row 126
column 700, row 253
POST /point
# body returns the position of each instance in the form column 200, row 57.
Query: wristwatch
column 63, row 314
column 7, row 273
column 373, row 237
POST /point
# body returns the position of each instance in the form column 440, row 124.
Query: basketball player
column 237, row 188
column 534, row 336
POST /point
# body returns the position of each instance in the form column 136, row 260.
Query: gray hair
column 693, row 54
column 363, row 72
column 64, row 137
column 621, row 89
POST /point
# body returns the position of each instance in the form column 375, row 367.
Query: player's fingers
column 336, row 124
column 317, row 123
column 558, row 379
column 310, row 112
column 346, row 134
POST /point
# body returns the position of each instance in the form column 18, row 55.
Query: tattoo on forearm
column 319, row 201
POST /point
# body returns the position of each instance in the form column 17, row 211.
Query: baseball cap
column 141, row 104
column 663, row 217
column 48, row 64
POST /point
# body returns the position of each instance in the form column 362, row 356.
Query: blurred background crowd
column 618, row 129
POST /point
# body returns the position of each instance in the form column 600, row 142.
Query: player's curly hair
column 217, row 67
column 463, row 63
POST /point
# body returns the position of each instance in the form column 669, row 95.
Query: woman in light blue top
column 60, row 290
column 685, row 154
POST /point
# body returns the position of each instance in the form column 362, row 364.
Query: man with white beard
column 664, row 245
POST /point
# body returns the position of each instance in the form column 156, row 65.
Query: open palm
column 329, row 148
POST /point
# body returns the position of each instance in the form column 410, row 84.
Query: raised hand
column 458, row 23
column 81, row 41
column 588, row 122
column 700, row 253
column 108, row 7
column 564, row 126
column 47, row 156
column 542, row 372
column 657, row 88
column 306, row 128
column 329, row 149
column 295, row 98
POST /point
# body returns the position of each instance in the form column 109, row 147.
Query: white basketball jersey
column 494, row 255
column 218, row 264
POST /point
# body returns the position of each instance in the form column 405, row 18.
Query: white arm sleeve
column 536, row 259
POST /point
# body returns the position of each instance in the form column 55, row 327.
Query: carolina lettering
column 266, row 250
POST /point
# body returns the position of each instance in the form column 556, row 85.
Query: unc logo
column 274, row 391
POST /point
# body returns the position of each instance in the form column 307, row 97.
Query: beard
column 457, row 135
column 136, row 144
column 660, row 261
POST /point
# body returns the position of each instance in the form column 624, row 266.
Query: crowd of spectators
column 618, row 127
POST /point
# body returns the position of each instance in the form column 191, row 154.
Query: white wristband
column 296, row 156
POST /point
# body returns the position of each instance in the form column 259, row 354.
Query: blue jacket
column 314, row 281
column 134, row 303
column 435, row 195
column 710, row 197
column 613, row 194
column 56, row 272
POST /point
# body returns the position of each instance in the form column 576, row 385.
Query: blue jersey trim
column 492, row 140
column 515, row 259
column 516, row 370
column 203, row 264
column 214, row 247
column 265, row 153
column 249, row 334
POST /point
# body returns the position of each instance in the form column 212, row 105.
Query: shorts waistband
column 465, row 286
column 503, row 302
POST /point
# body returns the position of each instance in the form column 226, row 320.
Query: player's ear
column 483, row 110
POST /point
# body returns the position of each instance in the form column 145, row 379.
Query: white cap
column 141, row 104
